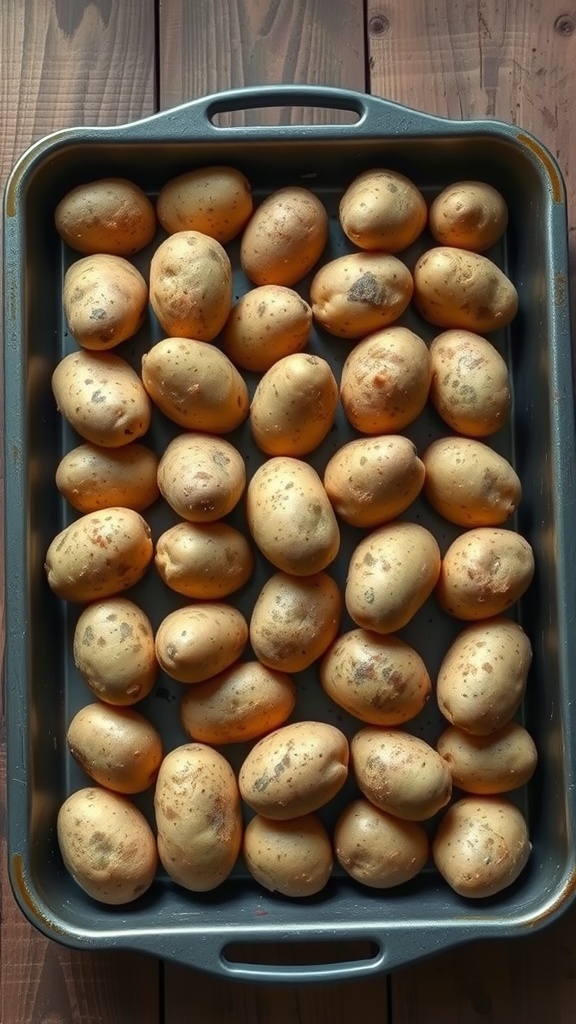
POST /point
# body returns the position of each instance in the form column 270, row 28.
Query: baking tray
column 43, row 689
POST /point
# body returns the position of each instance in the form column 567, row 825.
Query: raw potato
column 118, row 747
column 214, row 200
column 294, row 405
column 377, row 849
column 482, row 678
column 481, row 846
column 378, row 679
column 362, row 292
column 191, row 286
column 400, row 773
column 484, row 572
column 455, row 288
column 107, row 845
column 290, row 857
column 198, row 817
column 206, row 561
column 114, row 651
column 98, row 555
column 111, row 215
column 493, row 764
column 91, row 477
column 371, row 481
column 105, row 299
column 469, row 483
column 195, row 385
column 284, row 238
column 240, row 704
column 294, row 770
column 102, row 398
column 201, row 477
column 470, row 387
column 392, row 572
column 266, row 324
column 385, row 381
column 198, row 641
column 382, row 209
column 294, row 620
column 470, row 215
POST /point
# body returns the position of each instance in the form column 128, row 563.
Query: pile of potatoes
column 247, row 367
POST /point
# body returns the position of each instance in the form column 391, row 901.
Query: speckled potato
column 102, row 398
column 237, row 705
column 191, row 285
column 294, row 620
column 371, row 481
column 482, row 678
column 206, row 561
column 377, row 849
column 198, row 641
column 201, row 477
column 294, row 770
column 484, row 572
column 481, row 846
column 266, row 324
column 382, row 209
column 498, row 763
column 379, row 679
column 107, row 845
column 114, row 650
column 117, row 747
column 294, row 405
column 468, row 214
column 400, row 773
column 91, row 477
column 195, row 385
column 290, row 857
column 392, row 572
column 470, row 387
column 456, row 288
column 470, row 484
column 110, row 215
column 284, row 238
column 98, row 555
column 290, row 517
column 362, row 292
column 104, row 300
column 198, row 817
column 215, row 200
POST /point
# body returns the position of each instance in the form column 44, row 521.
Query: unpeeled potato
column 294, row 405
column 285, row 237
column 104, row 300
column 362, row 292
column 382, row 209
column 191, row 285
column 215, row 200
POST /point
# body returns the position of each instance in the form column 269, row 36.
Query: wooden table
column 65, row 62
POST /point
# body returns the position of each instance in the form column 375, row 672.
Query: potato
column 284, row 238
column 385, row 381
column 111, row 215
column 468, row 214
column 378, row 679
column 498, row 763
column 201, row 477
column 195, row 385
column 382, row 209
column 400, row 773
column 191, row 286
column 377, row 849
column 362, row 292
column 371, row 481
column 117, row 747
column 104, row 300
column 240, row 704
column 392, row 572
column 114, row 651
column 199, row 640
column 102, row 398
column 206, row 561
column 294, row 620
column 290, row 857
column 198, row 817
column 266, row 324
column 294, row 405
column 469, row 483
column 455, row 288
column 481, row 846
column 482, row 678
column 470, row 387
column 98, row 555
column 91, row 477
column 294, row 770
column 107, row 845
column 484, row 572
column 215, row 200
column 290, row 517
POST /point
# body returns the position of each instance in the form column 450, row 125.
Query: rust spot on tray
column 562, row 902
column 26, row 897
column 544, row 156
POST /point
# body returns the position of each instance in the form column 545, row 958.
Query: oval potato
column 198, row 641
column 378, row 849
column 285, row 237
column 91, row 477
column 215, row 200
column 400, row 773
column 499, row 763
column 362, row 292
column 114, row 650
column 484, row 572
column 469, row 483
column 382, row 209
column 372, row 480
column 110, row 215
column 468, row 214
column 294, row 405
column 470, row 386
column 266, row 324
column 191, row 285
column 201, row 477
column 104, row 299
column 206, row 561
column 294, row 620
column 456, row 288
column 290, row 857
column 117, row 747
column 237, row 705
column 385, row 381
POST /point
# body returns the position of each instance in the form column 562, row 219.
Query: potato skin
column 290, row 857
column 385, row 381
column 294, row 405
column 191, row 286
column 470, row 386
column 363, row 292
column 294, row 620
column 470, row 484
column 400, row 773
column 215, row 200
column 267, row 323
column 201, row 477
column 284, row 238
column 469, row 215
column 456, row 288
column 484, row 572
column 199, row 640
column 382, row 209
column 207, row 561
column 91, row 477
column 117, row 747
column 111, row 215
column 114, row 650
column 104, row 300
column 371, row 481
column 484, row 765
column 377, row 849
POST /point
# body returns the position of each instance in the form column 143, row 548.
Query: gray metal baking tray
column 43, row 689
